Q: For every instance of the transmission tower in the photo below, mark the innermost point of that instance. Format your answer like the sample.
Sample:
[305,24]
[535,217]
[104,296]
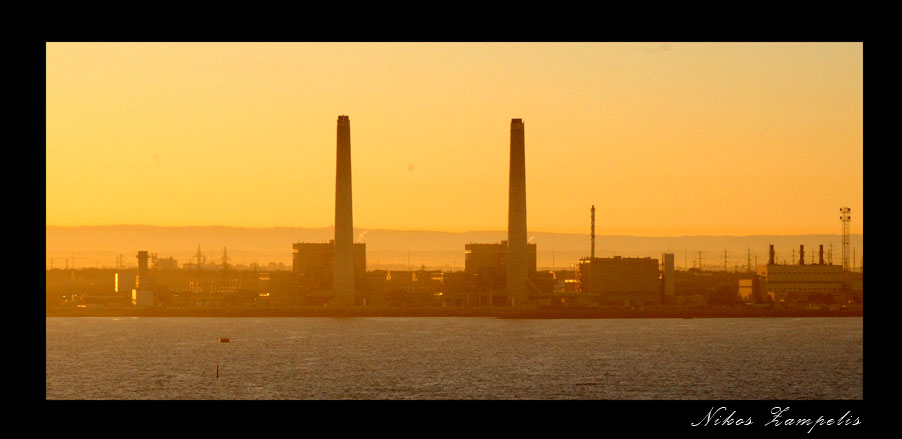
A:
[225,259]
[200,258]
[846,218]
[699,259]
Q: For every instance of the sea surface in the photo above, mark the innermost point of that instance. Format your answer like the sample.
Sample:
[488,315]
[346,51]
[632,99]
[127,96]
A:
[453,358]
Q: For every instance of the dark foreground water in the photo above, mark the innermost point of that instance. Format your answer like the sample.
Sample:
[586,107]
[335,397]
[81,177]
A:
[453,358]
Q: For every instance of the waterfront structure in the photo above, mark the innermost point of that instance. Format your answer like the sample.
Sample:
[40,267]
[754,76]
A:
[343,285]
[803,282]
[312,265]
[618,280]
[517,259]
[489,263]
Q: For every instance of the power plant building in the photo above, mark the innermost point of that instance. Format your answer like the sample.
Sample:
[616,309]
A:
[312,264]
[618,280]
[142,295]
[489,262]
[801,282]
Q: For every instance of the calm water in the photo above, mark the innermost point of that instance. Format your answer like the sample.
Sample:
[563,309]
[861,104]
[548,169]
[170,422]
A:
[456,358]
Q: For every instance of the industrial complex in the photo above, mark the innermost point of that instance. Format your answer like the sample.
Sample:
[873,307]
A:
[495,274]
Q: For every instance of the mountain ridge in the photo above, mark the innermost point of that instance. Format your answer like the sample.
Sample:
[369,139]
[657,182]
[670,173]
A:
[388,248]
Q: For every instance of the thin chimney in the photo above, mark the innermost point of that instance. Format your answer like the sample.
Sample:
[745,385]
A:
[593,232]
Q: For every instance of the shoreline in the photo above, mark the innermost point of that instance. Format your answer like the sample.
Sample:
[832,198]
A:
[497,312]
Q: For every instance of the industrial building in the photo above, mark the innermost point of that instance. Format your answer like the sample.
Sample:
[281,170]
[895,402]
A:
[802,282]
[750,290]
[669,276]
[620,281]
[488,262]
[312,265]
[169,263]
[142,294]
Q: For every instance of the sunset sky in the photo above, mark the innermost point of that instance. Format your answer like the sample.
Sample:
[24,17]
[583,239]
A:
[664,139]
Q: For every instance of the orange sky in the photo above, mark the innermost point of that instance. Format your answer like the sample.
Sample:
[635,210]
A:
[665,139]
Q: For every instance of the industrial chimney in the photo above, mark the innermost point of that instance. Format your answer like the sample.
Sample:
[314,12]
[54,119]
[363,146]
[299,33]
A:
[801,255]
[821,255]
[343,268]
[516,217]
[770,260]
[593,232]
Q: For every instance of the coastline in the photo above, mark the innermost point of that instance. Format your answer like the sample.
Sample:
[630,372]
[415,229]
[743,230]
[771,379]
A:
[497,312]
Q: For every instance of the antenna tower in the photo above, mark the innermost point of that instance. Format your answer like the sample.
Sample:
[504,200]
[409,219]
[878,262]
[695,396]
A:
[845,217]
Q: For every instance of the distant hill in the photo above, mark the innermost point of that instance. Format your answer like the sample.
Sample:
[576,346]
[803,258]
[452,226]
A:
[90,246]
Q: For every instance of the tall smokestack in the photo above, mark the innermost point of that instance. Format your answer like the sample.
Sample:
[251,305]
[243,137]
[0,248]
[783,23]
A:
[343,271]
[801,255]
[770,260]
[142,280]
[516,218]
[821,255]
[592,255]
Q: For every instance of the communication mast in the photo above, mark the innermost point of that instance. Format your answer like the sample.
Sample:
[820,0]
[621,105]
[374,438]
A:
[846,218]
